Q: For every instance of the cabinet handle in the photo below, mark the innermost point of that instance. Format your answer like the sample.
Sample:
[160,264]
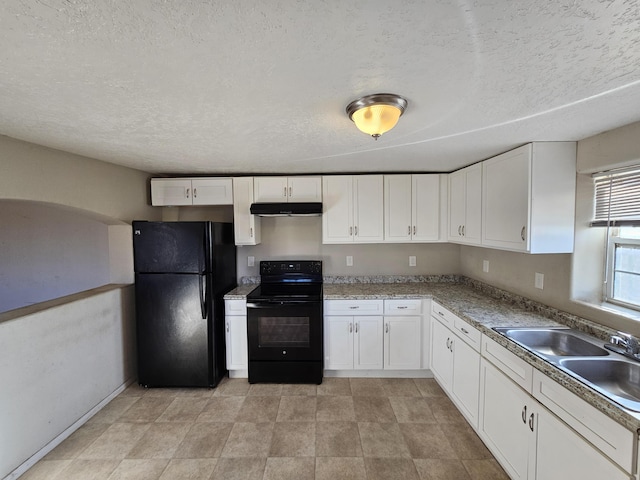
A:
[350,327]
[356,327]
[402,307]
[284,193]
[188,192]
[356,227]
[459,230]
[195,192]
[531,422]
[409,230]
[386,328]
[451,345]
[448,345]
[441,314]
[522,233]
[227,327]
[464,330]
[354,307]
[251,232]
[350,231]
[414,229]
[524,414]
[463,230]
[290,191]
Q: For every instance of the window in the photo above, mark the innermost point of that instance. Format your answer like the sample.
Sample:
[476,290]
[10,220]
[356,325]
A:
[617,208]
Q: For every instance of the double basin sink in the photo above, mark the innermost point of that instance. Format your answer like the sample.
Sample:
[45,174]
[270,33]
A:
[610,374]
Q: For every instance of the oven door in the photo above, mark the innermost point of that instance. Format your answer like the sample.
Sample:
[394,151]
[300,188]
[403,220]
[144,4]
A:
[282,331]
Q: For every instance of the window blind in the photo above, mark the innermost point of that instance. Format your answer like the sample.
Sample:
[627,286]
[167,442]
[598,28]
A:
[617,198]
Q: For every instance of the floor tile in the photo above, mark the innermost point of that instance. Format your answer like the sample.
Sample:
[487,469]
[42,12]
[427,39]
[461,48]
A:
[284,468]
[334,386]
[183,409]
[114,409]
[293,439]
[335,408]
[79,440]
[189,469]
[297,409]
[233,387]
[382,440]
[485,470]
[367,387]
[134,390]
[435,469]
[137,469]
[249,440]
[444,411]
[221,409]
[161,440]
[390,469]
[259,409]
[265,389]
[45,470]
[340,468]
[400,387]
[373,409]
[116,442]
[412,410]
[426,440]
[299,389]
[204,440]
[338,439]
[146,410]
[466,442]
[428,387]
[239,469]
[89,470]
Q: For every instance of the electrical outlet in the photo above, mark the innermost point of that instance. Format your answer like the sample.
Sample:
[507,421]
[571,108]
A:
[251,261]
[485,266]
[539,283]
[412,260]
[349,261]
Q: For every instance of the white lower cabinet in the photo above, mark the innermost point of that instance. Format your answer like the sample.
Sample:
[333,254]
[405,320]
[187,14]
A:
[353,342]
[455,360]
[530,441]
[402,342]
[236,337]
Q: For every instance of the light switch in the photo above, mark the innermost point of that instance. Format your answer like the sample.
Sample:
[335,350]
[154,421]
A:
[251,261]
[349,261]
[539,283]
[412,260]
[485,266]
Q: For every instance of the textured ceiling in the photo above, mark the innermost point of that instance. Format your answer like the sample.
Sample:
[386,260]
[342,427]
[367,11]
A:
[210,87]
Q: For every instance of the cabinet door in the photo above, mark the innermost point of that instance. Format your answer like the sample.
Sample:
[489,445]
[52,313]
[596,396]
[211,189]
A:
[457,204]
[246,227]
[270,189]
[338,343]
[170,191]
[368,343]
[505,412]
[212,191]
[397,208]
[472,232]
[441,357]
[402,342]
[305,189]
[337,205]
[562,453]
[368,207]
[505,202]
[236,342]
[425,220]
[466,380]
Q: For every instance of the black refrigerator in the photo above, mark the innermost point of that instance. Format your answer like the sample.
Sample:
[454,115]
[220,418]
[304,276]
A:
[182,271]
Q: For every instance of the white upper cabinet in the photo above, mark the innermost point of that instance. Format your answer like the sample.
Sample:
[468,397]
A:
[191,191]
[352,209]
[287,189]
[465,205]
[413,208]
[246,227]
[528,202]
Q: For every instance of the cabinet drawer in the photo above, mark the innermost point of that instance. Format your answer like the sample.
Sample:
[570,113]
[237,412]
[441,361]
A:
[442,314]
[512,366]
[610,437]
[235,307]
[470,335]
[403,307]
[353,307]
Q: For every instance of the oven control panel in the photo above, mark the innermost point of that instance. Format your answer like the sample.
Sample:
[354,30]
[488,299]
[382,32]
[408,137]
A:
[269,267]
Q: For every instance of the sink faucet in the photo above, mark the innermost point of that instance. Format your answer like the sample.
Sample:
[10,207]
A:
[628,341]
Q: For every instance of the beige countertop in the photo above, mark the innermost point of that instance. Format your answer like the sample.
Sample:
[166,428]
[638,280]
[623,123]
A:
[486,307]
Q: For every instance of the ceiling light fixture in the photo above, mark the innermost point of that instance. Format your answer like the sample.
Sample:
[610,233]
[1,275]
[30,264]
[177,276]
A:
[376,114]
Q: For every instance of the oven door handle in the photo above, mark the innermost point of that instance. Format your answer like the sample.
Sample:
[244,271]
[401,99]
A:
[274,304]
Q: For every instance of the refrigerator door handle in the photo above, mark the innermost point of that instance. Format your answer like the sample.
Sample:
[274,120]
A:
[203,296]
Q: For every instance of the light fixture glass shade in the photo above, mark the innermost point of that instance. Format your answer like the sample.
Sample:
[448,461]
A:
[376,114]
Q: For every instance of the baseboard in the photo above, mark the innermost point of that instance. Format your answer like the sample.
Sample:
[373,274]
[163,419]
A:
[379,373]
[36,457]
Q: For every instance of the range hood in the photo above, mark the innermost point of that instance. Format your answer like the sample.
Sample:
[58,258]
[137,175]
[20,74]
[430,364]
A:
[299,209]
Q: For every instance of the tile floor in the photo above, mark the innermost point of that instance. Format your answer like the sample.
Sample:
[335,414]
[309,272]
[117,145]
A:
[343,429]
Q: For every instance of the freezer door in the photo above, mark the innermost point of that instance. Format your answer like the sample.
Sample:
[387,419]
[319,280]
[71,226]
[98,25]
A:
[171,247]
[173,331]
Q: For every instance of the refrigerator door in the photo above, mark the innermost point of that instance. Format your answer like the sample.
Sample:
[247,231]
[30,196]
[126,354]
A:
[171,247]
[173,330]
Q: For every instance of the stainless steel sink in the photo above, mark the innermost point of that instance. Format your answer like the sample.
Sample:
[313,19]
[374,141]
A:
[555,342]
[618,379]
